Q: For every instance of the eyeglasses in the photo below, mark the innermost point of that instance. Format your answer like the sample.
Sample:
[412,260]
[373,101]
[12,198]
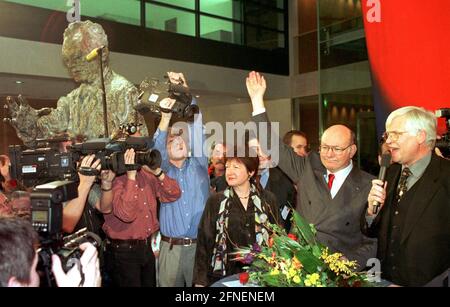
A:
[335,149]
[394,135]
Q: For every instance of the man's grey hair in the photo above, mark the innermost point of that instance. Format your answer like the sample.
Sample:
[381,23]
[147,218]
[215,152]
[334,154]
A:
[417,119]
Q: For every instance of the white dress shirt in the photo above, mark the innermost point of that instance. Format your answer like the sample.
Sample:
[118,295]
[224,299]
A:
[339,178]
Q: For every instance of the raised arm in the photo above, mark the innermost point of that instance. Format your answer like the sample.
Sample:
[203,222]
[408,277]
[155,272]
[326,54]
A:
[289,162]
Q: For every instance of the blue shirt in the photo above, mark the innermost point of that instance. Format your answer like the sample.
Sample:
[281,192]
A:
[264,177]
[180,219]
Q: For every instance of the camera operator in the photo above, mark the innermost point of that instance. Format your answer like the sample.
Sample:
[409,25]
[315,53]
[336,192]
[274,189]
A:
[19,258]
[74,209]
[180,220]
[132,221]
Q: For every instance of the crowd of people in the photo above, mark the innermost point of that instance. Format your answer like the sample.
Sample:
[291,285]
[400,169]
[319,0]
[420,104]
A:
[177,222]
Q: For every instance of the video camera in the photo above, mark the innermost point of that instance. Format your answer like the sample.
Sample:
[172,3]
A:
[45,164]
[46,218]
[153,91]
[444,142]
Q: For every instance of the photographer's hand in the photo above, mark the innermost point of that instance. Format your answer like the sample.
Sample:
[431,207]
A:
[107,178]
[177,78]
[89,266]
[166,103]
[129,159]
[157,172]
[88,162]
[73,210]
[104,205]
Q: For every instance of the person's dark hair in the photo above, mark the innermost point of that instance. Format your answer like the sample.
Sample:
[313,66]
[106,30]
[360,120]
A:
[287,138]
[17,249]
[246,157]
[380,145]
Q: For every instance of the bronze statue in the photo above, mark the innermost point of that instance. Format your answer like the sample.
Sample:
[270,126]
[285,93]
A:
[81,111]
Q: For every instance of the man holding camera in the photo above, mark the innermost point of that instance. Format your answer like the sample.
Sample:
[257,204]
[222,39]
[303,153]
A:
[19,259]
[132,219]
[180,219]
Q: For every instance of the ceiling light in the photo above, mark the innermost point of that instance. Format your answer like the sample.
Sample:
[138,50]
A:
[19,82]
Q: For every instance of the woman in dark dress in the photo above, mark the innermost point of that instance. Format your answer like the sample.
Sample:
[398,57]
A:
[233,218]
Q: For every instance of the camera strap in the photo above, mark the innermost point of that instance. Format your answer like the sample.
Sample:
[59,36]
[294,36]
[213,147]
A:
[132,167]
[88,171]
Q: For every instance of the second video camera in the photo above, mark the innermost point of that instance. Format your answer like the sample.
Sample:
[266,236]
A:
[153,91]
[45,164]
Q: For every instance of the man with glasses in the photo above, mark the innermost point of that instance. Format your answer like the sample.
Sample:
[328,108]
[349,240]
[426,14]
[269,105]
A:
[332,192]
[413,222]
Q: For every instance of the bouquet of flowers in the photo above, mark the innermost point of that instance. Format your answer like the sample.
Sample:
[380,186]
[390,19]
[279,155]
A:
[297,260]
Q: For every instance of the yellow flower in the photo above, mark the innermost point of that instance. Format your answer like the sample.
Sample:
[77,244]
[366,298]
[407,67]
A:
[338,264]
[312,280]
[274,272]
[297,279]
[292,272]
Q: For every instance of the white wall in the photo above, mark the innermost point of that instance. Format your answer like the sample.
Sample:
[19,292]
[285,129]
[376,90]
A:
[22,57]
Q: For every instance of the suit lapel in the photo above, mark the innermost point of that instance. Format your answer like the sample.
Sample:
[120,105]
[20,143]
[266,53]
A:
[351,188]
[426,189]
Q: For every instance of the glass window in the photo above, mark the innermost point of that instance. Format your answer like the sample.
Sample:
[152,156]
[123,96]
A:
[261,16]
[224,8]
[46,4]
[123,11]
[171,20]
[220,30]
[273,3]
[264,39]
[188,4]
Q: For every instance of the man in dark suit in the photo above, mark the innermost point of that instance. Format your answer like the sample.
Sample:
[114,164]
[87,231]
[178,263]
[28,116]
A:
[413,224]
[272,179]
[332,192]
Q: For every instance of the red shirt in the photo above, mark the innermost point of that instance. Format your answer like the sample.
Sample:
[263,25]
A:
[134,205]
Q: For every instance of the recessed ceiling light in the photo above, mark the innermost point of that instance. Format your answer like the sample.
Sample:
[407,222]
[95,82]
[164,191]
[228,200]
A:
[197,96]
[19,82]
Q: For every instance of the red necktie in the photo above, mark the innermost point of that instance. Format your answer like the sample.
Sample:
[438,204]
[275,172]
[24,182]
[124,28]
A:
[330,180]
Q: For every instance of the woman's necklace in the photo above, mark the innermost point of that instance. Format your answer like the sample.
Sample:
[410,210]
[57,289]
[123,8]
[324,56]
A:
[244,197]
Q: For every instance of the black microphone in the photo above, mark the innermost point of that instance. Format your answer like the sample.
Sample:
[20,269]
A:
[385,162]
[94,53]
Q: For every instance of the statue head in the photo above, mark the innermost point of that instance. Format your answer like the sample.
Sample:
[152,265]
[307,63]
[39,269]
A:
[80,38]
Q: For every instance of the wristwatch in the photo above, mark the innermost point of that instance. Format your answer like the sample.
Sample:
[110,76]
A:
[159,174]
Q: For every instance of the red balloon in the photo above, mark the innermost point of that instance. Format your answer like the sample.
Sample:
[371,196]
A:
[409,51]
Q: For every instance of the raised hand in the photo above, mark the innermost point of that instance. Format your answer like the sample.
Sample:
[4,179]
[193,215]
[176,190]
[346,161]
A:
[129,159]
[166,105]
[177,78]
[256,87]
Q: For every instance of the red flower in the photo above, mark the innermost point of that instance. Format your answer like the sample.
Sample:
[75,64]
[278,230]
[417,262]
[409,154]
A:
[270,243]
[292,236]
[243,278]
[13,183]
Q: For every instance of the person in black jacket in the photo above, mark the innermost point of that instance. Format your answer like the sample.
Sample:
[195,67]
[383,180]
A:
[233,218]
[413,222]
